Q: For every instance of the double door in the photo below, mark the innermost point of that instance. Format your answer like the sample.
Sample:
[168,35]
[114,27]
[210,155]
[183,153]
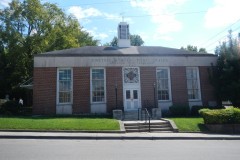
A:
[132,99]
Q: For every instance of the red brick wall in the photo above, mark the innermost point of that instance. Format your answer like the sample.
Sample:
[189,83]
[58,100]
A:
[81,90]
[44,90]
[147,78]
[207,90]
[179,85]
[113,76]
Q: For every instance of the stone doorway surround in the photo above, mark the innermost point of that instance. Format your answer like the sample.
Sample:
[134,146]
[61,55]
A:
[131,88]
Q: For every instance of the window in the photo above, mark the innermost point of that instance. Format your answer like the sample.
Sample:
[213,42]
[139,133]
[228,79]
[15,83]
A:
[64,85]
[124,31]
[131,75]
[193,85]
[135,94]
[98,85]
[163,84]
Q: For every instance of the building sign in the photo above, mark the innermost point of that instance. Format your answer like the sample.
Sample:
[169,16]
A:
[127,61]
[124,61]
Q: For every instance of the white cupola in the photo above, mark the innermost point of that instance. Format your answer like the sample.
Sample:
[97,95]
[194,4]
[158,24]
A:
[123,35]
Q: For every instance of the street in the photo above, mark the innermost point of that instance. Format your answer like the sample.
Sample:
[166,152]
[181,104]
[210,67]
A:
[29,149]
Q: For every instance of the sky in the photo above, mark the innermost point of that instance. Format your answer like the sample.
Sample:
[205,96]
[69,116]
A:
[166,23]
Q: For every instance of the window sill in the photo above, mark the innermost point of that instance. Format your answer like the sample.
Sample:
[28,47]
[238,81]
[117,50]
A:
[98,102]
[164,100]
[194,100]
[62,104]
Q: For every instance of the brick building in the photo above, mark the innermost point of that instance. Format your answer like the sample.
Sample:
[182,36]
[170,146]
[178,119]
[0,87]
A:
[97,79]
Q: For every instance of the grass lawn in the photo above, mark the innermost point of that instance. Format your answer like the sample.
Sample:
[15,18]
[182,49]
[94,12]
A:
[58,123]
[190,124]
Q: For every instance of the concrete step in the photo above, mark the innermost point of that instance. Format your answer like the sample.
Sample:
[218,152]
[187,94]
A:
[146,126]
[142,126]
[130,117]
[145,123]
[133,115]
[151,130]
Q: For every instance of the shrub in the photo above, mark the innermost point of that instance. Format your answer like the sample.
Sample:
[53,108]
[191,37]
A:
[1,110]
[195,110]
[179,110]
[10,108]
[237,115]
[201,111]
[221,116]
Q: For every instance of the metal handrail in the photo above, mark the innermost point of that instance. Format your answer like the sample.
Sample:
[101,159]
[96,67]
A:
[147,116]
[149,119]
[139,112]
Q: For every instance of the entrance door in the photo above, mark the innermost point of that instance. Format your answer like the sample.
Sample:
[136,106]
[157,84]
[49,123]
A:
[131,99]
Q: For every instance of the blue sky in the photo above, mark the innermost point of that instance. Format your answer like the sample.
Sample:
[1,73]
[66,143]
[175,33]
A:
[168,23]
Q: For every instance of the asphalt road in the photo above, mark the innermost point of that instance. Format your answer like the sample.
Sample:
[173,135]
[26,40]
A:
[21,149]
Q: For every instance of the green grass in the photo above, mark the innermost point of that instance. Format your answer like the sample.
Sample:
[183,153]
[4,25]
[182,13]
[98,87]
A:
[56,123]
[190,124]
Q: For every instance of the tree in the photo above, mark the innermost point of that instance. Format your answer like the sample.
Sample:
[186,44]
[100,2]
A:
[28,28]
[194,49]
[225,76]
[135,40]
[202,50]
[114,41]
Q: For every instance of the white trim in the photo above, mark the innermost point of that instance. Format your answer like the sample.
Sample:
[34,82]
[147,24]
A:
[169,84]
[131,89]
[105,93]
[124,61]
[199,87]
[132,86]
[71,93]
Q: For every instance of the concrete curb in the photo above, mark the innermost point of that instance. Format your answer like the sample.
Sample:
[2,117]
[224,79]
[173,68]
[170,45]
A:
[62,131]
[122,128]
[172,123]
[114,136]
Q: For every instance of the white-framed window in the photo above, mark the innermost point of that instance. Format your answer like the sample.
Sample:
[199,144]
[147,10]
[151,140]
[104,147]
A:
[163,84]
[64,86]
[98,93]
[193,84]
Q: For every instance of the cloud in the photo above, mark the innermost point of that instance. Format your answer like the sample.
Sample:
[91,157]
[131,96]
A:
[162,13]
[5,3]
[87,13]
[94,32]
[81,13]
[222,13]
[113,31]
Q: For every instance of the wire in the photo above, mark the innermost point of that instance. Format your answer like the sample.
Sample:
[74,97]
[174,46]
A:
[215,41]
[147,15]
[99,3]
[221,38]
[220,32]
[170,14]
[213,49]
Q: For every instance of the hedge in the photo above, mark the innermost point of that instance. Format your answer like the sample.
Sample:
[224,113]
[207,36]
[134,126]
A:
[221,116]
[201,111]
[10,108]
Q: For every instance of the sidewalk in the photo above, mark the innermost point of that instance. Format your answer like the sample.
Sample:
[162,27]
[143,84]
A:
[117,136]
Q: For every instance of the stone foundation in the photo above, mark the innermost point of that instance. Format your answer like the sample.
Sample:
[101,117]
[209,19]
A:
[118,114]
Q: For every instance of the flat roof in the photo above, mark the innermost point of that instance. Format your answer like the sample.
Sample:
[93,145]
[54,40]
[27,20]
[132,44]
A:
[117,51]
